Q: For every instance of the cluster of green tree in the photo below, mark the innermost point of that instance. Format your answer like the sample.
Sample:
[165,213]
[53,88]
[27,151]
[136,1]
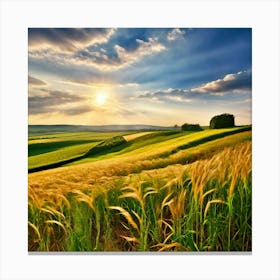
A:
[191,127]
[220,121]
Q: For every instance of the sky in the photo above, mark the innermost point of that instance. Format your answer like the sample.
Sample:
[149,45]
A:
[153,76]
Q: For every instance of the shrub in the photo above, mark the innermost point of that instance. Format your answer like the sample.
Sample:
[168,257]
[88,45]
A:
[107,144]
[191,127]
[222,121]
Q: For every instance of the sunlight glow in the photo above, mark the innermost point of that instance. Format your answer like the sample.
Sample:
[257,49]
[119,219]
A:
[100,98]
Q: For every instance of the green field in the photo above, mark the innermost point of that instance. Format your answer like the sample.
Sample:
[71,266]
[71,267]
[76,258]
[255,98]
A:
[140,191]
[47,149]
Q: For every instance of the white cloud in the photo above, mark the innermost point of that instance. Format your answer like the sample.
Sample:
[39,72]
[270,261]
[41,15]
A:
[175,34]
[99,59]
[232,83]
[143,49]
[238,82]
[168,94]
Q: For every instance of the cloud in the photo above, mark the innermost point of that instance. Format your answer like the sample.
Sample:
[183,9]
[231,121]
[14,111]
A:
[66,40]
[122,57]
[144,48]
[77,110]
[175,34]
[231,84]
[35,82]
[173,94]
[238,82]
[50,101]
[73,48]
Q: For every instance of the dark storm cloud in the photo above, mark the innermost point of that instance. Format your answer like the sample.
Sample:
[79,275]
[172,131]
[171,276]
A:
[35,82]
[51,101]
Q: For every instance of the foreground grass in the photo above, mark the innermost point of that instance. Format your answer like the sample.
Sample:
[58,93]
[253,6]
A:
[133,204]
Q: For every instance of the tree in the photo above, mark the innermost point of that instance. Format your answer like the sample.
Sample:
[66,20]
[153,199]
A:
[191,127]
[222,121]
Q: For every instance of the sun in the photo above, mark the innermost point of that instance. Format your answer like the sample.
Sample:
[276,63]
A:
[100,98]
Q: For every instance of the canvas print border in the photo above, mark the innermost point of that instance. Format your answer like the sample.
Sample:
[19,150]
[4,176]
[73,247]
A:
[244,264]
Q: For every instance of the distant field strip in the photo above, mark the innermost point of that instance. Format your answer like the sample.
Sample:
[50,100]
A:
[133,136]
[74,136]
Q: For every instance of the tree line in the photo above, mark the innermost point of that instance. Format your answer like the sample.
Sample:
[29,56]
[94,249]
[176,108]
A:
[220,121]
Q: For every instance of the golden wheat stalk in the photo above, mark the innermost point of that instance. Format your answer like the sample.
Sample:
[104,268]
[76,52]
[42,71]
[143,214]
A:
[149,191]
[134,195]
[209,204]
[164,232]
[48,211]
[138,218]
[84,198]
[54,211]
[57,223]
[177,206]
[130,239]
[35,230]
[133,192]
[167,201]
[165,247]
[127,216]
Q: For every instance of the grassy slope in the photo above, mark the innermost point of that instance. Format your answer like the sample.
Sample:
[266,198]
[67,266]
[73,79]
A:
[59,155]
[53,148]
[158,143]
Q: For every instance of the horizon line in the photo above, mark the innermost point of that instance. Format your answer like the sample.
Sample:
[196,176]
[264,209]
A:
[127,124]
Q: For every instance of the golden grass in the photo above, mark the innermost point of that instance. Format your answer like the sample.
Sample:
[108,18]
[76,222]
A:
[127,215]
[172,208]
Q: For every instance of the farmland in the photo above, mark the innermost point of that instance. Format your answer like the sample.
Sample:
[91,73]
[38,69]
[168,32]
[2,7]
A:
[140,191]
[54,148]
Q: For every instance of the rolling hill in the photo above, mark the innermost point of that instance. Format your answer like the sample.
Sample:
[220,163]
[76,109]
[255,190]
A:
[77,148]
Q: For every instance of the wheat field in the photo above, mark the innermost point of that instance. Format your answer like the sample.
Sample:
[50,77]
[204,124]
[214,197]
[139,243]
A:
[146,203]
